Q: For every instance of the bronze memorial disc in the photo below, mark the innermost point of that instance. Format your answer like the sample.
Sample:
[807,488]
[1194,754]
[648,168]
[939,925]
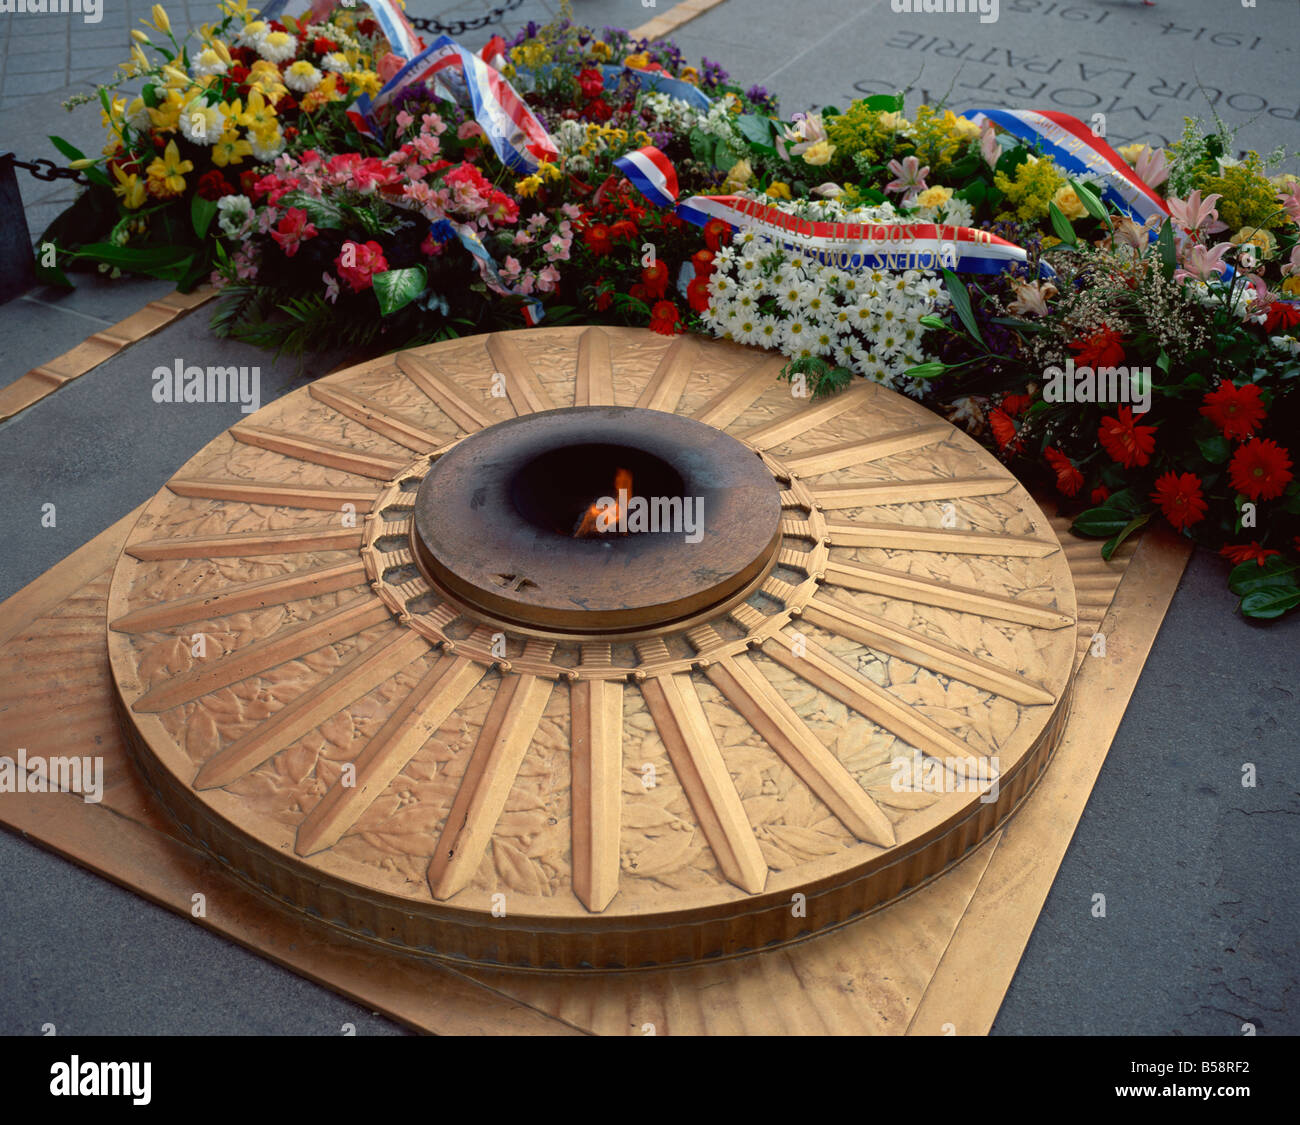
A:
[371,654]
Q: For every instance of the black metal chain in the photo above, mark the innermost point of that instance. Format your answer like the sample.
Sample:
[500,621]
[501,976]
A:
[43,169]
[459,27]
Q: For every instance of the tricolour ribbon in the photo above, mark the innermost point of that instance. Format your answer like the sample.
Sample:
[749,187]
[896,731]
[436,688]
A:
[651,173]
[516,136]
[388,15]
[533,311]
[658,80]
[1070,143]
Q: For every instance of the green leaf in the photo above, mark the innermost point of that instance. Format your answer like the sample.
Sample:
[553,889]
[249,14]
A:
[1214,449]
[202,212]
[961,303]
[756,130]
[398,288]
[885,103]
[321,212]
[138,259]
[926,370]
[1125,500]
[1113,544]
[1250,576]
[1270,603]
[1091,203]
[1168,253]
[1060,224]
[1162,361]
[71,151]
[1099,523]
[932,321]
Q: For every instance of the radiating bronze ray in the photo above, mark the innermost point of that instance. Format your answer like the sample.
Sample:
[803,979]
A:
[523,387]
[781,430]
[319,452]
[596,713]
[926,591]
[823,669]
[502,743]
[909,491]
[885,636]
[687,736]
[859,452]
[739,395]
[425,708]
[377,417]
[443,391]
[289,644]
[323,498]
[242,544]
[244,596]
[764,709]
[594,385]
[362,674]
[666,385]
[901,537]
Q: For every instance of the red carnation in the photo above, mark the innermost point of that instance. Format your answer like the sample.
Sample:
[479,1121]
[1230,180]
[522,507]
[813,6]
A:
[664,318]
[598,110]
[1100,494]
[367,260]
[213,185]
[1237,411]
[1004,430]
[1129,444]
[1180,499]
[1260,469]
[1015,404]
[1068,479]
[1104,348]
[1244,552]
[1282,316]
[597,239]
[591,82]
[622,229]
[697,294]
[324,46]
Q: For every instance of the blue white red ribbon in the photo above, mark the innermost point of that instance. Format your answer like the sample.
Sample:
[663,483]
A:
[1071,144]
[533,312]
[658,80]
[651,173]
[388,15]
[516,136]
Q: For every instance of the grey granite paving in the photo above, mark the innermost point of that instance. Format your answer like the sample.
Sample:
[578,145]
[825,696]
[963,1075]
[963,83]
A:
[1202,917]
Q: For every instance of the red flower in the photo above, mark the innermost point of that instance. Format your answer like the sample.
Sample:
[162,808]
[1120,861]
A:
[1068,479]
[1244,552]
[716,234]
[294,229]
[367,259]
[1260,469]
[1100,494]
[604,296]
[598,110]
[597,239]
[622,229]
[324,46]
[1235,410]
[213,185]
[591,82]
[1129,444]
[1282,316]
[656,279]
[697,293]
[702,260]
[368,27]
[1180,499]
[1016,404]
[1104,348]
[664,318]
[1004,429]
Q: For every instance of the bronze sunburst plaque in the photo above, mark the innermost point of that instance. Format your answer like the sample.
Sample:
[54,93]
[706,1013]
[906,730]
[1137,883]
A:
[741,762]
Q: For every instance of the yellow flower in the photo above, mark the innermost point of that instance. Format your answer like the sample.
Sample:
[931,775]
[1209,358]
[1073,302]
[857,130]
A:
[367,81]
[778,190]
[139,36]
[1263,239]
[639,62]
[936,196]
[230,149]
[691,75]
[129,189]
[259,116]
[549,172]
[895,121]
[160,20]
[820,153]
[963,127]
[527,187]
[1131,152]
[641,137]
[600,49]
[738,176]
[1291,286]
[167,172]
[167,114]
[1069,203]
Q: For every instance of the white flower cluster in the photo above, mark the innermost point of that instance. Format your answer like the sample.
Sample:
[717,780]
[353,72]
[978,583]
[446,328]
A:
[669,114]
[569,138]
[1215,296]
[866,320]
[234,215]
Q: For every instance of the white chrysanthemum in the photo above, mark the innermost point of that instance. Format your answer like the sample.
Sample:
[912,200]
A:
[789,298]
[202,123]
[889,342]
[796,335]
[252,33]
[233,214]
[337,62]
[207,62]
[267,148]
[1286,344]
[746,329]
[721,286]
[769,332]
[824,340]
[277,46]
[815,303]
[302,77]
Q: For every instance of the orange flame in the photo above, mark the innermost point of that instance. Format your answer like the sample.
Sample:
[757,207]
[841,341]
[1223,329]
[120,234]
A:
[622,488]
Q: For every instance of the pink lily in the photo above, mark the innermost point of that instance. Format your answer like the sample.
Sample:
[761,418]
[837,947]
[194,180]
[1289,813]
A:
[1195,214]
[1032,297]
[989,145]
[1293,265]
[1200,263]
[909,177]
[1290,200]
[1152,168]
